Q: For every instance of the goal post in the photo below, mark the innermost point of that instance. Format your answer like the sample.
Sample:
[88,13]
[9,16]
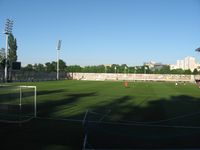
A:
[17,103]
[35,98]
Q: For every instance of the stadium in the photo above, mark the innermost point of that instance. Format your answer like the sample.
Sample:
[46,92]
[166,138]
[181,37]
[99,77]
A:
[86,114]
[99,75]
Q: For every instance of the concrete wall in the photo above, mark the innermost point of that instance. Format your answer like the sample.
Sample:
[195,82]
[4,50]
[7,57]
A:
[132,77]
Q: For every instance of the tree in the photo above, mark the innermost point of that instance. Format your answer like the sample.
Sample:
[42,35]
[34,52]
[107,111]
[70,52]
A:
[188,71]
[2,54]
[39,67]
[132,70]
[100,69]
[195,71]
[50,67]
[142,69]
[62,65]
[177,71]
[2,58]
[74,68]
[123,68]
[29,67]
[12,50]
[165,70]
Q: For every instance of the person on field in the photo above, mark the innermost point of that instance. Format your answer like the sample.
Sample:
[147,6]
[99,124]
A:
[125,84]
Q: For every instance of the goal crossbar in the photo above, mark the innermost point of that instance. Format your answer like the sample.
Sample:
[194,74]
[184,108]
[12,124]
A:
[35,95]
[21,87]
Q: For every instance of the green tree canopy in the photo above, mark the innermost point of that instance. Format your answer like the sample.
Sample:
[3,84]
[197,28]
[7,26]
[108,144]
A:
[50,67]
[165,70]
[39,67]
[28,67]
[195,71]
[188,71]
[177,71]
[74,68]
[12,50]
[2,58]
[62,65]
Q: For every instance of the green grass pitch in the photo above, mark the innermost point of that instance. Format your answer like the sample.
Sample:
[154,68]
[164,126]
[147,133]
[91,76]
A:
[141,102]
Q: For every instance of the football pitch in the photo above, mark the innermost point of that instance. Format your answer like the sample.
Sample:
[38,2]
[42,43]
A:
[108,115]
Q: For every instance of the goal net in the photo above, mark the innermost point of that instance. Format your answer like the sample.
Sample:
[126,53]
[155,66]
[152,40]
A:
[17,103]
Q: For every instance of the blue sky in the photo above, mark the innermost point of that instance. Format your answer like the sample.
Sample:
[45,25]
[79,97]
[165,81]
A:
[103,31]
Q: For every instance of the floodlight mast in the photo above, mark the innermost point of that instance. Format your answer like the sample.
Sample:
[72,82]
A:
[8,31]
[125,69]
[197,50]
[58,49]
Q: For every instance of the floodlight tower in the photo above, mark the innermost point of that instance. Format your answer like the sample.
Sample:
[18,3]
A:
[125,69]
[58,49]
[135,70]
[197,50]
[8,31]
[145,69]
[115,69]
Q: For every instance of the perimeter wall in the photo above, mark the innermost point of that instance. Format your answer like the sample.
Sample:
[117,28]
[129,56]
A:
[133,77]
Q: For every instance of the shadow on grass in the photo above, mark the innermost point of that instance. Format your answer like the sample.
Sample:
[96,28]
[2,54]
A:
[12,96]
[48,108]
[43,134]
[40,134]
[50,134]
[171,116]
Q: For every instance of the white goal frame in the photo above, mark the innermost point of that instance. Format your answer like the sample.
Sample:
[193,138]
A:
[35,97]
[21,87]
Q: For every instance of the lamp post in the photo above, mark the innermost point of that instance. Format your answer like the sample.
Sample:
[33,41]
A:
[135,69]
[145,68]
[58,49]
[8,31]
[125,69]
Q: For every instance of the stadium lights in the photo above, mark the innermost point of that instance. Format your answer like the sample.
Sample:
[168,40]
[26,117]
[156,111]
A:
[125,68]
[58,49]
[145,68]
[197,50]
[8,30]
[135,69]
[115,69]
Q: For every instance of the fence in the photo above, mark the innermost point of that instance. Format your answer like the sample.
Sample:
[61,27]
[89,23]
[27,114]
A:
[24,76]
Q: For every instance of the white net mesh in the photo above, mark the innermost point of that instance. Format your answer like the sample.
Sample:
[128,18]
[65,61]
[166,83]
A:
[17,103]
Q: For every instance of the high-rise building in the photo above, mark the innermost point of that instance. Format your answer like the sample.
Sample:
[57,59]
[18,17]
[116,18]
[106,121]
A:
[185,64]
[190,63]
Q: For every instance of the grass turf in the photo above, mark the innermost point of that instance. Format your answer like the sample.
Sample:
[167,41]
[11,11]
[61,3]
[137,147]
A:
[139,102]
